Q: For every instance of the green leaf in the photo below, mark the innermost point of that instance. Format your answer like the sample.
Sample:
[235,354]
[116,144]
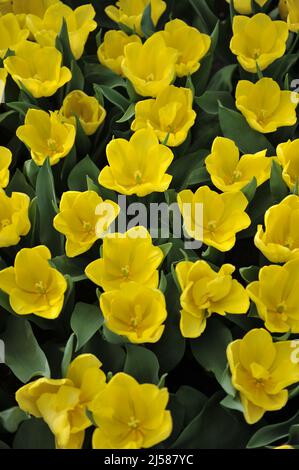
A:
[250,274]
[210,348]
[250,189]
[11,419]
[63,44]
[272,433]
[18,183]
[215,427]
[83,143]
[100,75]
[34,434]
[73,267]
[23,354]
[77,177]
[47,207]
[77,81]
[279,189]
[235,127]
[142,364]
[115,98]
[223,79]
[163,282]
[147,25]
[166,247]
[128,114]
[67,355]
[198,176]
[86,320]
[209,101]
[21,106]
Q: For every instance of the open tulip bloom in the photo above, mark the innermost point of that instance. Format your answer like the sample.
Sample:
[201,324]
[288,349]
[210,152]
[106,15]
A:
[149,214]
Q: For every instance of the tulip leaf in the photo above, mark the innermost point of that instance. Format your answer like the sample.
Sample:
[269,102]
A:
[147,25]
[250,189]
[142,364]
[21,106]
[77,81]
[128,114]
[73,267]
[23,354]
[204,11]
[222,80]
[11,418]
[115,98]
[215,427]
[209,101]
[210,349]
[279,189]
[67,355]
[77,177]
[235,127]
[250,274]
[86,320]
[19,184]
[83,143]
[100,75]
[272,433]
[47,207]
[34,434]
[63,44]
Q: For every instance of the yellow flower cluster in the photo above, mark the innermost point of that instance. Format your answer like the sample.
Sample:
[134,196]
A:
[128,272]
[128,415]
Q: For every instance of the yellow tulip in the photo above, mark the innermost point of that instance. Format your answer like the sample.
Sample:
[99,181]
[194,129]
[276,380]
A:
[3,76]
[130,12]
[205,292]
[288,156]
[264,106]
[5,161]
[258,41]
[229,172]
[150,67]
[279,242]
[5,7]
[87,108]
[135,311]
[46,135]
[14,219]
[283,9]
[80,22]
[277,298]
[261,372]
[223,216]
[127,257]
[137,166]
[33,286]
[11,34]
[191,45]
[62,403]
[245,6]
[170,115]
[111,52]
[35,7]
[130,415]
[293,15]
[83,219]
[38,69]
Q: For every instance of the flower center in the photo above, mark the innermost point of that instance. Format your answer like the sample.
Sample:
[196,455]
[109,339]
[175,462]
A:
[259,373]
[133,423]
[125,270]
[236,175]
[212,225]
[40,287]
[87,226]
[52,145]
[137,176]
[4,223]
[150,77]
[256,53]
